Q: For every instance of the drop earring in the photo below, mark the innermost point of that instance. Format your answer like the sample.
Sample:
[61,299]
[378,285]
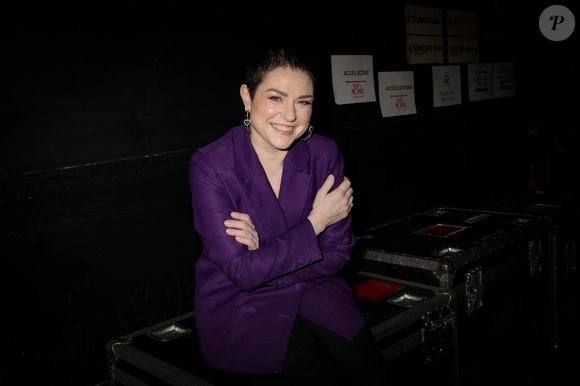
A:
[247,121]
[310,130]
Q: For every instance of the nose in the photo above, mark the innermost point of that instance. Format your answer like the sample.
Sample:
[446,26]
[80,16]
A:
[289,112]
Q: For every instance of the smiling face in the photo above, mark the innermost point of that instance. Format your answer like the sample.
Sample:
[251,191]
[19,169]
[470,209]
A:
[280,109]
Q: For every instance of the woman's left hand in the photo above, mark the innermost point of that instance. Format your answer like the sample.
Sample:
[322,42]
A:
[242,228]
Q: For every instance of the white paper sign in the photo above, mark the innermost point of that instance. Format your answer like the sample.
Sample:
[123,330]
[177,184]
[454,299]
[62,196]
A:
[397,93]
[446,85]
[503,80]
[353,79]
[424,49]
[423,20]
[479,81]
[462,23]
[462,50]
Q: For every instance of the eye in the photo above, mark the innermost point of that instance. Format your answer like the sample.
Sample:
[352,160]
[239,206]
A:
[275,98]
[305,102]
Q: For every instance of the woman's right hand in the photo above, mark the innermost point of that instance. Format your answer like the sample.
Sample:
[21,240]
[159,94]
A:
[331,207]
[242,228]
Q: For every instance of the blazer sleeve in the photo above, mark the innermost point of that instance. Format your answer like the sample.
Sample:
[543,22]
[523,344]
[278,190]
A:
[249,270]
[335,243]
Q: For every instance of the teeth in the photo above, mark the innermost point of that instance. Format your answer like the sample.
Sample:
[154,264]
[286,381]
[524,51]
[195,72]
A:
[284,128]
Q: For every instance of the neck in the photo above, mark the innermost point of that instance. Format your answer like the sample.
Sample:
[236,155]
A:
[272,159]
[272,162]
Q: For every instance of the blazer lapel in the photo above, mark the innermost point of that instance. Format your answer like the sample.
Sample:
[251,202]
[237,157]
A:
[268,216]
[296,184]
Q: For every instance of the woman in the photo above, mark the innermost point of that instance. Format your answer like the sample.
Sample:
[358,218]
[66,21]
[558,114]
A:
[272,207]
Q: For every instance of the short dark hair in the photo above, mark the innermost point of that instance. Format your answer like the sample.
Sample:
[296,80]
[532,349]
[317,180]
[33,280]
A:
[272,59]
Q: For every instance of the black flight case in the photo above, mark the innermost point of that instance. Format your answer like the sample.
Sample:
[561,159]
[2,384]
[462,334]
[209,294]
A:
[493,265]
[560,211]
[412,326]
[164,354]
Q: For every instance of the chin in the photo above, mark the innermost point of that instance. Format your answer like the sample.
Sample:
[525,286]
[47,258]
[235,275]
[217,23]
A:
[282,143]
[283,147]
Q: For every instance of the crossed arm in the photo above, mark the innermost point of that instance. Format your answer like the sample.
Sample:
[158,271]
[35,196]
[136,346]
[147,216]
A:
[329,207]
[318,246]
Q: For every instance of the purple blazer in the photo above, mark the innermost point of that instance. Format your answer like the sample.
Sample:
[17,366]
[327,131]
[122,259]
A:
[246,301]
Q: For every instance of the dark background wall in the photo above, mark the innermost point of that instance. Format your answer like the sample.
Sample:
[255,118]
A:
[103,112]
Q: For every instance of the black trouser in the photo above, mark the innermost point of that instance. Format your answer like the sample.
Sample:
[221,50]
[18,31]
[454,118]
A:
[318,356]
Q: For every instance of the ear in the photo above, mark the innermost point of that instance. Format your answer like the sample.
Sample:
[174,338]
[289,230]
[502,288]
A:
[246,98]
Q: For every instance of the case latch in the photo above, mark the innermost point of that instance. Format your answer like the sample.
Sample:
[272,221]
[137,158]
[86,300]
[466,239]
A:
[473,290]
[168,333]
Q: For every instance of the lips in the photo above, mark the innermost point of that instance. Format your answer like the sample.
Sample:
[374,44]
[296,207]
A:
[283,129]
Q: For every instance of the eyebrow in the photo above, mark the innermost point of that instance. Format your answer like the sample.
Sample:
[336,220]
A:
[286,94]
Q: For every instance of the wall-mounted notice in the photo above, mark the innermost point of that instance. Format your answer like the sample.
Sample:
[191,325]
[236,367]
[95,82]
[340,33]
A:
[424,49]
[352,79]
[479,80]
[446,85]
[396,93]
[462,23]
[503,80]
[424,34]
[423,20]
[462,37]
[462,50]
